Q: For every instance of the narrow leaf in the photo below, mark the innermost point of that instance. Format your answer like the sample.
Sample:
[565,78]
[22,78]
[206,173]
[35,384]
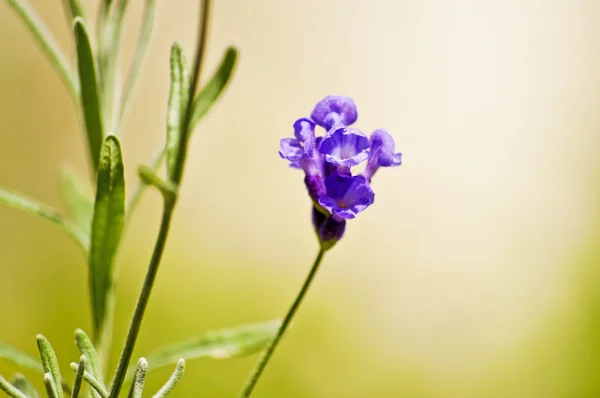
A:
[91,381]
[50,384]
[86,348]
[10,390]
[19,358]
[138,59]
[79,377]
[21,202]
[213,89]
[107,225]
[173,380]
[47,44]
[218,344]
[178,94]
[78,203]
[137,387]
[23,385]
[75,9]
[49,363]
[90,93]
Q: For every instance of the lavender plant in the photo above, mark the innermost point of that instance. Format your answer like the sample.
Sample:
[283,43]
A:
[96,224]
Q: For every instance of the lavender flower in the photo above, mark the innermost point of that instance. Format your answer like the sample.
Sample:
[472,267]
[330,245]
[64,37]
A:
[327,163]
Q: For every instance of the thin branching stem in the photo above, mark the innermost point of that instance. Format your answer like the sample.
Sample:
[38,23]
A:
[144,296]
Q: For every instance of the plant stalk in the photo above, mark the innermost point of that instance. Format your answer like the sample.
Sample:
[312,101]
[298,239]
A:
[264,360]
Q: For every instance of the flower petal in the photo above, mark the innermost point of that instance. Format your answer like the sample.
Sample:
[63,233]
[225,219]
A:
[345,147]
[346,195]
[342,106]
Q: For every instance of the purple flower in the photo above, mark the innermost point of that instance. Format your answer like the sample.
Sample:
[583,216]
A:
[335,110]
[327,162]
[345,147]
[346,195]
[382,153]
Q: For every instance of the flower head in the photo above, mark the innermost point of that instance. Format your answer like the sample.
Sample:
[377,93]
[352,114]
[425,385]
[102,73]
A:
[327,162]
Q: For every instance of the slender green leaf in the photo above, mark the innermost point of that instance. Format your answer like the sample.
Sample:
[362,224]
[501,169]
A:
[23,385]
[178,95]
[201,105]
[107,225]
[47,44]
[90,92]
[173,380]
[137,387]
[50,384]
[50,363]
[10,390]
[78,203]
[86,348]
[19,358]
[217,344]
[21,202]
[99,388]
[213,89]
[75,9]
[79,377]
[138,59]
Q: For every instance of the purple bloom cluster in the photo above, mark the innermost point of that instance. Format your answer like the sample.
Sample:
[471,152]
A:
[327,161]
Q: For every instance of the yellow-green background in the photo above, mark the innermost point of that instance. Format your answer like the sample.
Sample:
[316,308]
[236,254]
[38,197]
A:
[475,274]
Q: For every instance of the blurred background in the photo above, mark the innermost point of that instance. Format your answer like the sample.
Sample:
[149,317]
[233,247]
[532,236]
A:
[476,273]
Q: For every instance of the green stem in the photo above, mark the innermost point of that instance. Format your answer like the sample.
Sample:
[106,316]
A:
[142,302]
[169,205]
[260,367]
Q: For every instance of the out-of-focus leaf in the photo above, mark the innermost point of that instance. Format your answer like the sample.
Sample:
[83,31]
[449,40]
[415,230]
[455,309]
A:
[78,203]
[107,225]
[178,96]
[217,344]
[90,91]
[19,358]
[138,59]
[47,43]
[23,385]
[21,202]
[75,9]
[213,89]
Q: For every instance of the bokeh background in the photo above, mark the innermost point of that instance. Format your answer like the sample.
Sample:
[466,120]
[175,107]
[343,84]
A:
[476,272]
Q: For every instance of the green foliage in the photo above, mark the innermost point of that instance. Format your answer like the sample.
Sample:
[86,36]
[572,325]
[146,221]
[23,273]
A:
[23,385]
[78,204]
[90,91]
[97,225]
[173,380]
[50,364]
[107,225]
[217,344]
[28,205]
[213,89]
[176,111]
